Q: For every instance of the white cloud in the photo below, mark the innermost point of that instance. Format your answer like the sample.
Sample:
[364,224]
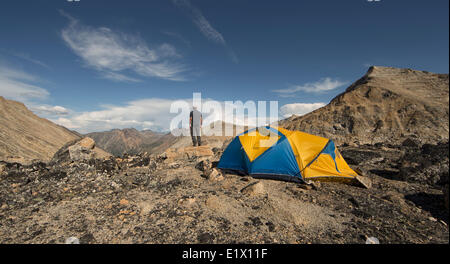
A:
[288,110]
[18,85]
[204,26]
[65,122]
[323,85]
[49,110]
[23,87]
[111,53]
[150,113]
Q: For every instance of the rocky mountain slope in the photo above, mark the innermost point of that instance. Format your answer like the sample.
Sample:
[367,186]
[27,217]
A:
[179,197]
[25,136]
[385,105]
[131,141]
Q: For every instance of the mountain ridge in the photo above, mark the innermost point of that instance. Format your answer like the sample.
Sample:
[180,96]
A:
[24,136]
[386,105]
[132,141]
[128,140]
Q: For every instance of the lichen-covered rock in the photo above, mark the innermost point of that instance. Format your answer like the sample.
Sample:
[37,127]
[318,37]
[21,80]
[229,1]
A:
[80,149]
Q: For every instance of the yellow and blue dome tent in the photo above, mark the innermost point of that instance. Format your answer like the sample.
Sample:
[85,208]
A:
[277,153]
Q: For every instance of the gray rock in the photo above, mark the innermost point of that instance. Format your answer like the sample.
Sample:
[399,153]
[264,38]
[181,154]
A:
[77,150]
[72,240]
[372,240]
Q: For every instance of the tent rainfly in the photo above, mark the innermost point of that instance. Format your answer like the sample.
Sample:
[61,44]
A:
[277,153]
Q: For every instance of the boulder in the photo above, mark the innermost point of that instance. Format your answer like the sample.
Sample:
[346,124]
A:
[87,142]
[202,151]
[173,154]
[254,189]
[214,175]
[78,152]
[80,149]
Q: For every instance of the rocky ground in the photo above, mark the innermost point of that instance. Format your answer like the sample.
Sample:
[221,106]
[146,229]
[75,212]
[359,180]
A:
[179,197]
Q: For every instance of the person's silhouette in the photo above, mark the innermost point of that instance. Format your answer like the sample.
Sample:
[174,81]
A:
[195,124]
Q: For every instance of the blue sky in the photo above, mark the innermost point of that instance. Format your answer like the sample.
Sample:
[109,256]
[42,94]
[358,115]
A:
[94,65]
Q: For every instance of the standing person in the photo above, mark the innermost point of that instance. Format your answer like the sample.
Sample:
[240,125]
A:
[195,124]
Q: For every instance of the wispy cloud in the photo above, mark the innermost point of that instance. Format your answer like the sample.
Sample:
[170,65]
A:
[114,76]
[19,85]
[177,36]
[24,56]
[111,53]
[28,58]
[323,85]
[205,26]
[299,109]
[200,21]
